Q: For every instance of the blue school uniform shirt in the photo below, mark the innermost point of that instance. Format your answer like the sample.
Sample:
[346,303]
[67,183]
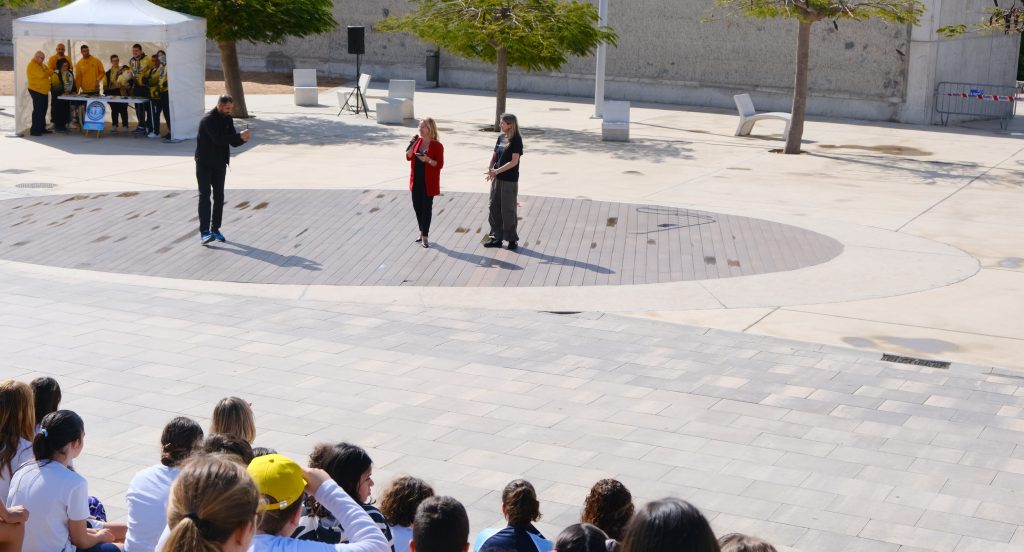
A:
[512,539]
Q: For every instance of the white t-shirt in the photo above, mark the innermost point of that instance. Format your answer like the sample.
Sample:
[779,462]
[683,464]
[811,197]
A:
[53,495]
[23,456]
[147,507]
[400,537]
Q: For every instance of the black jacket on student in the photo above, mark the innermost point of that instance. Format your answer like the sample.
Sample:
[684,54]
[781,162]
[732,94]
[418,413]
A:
[216,133]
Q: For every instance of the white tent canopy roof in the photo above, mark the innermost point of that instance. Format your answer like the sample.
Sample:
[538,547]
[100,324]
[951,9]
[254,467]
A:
[112,20]
[121,23]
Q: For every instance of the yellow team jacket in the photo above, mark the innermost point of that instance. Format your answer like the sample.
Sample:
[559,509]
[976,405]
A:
[62,84]
[88,74]
[52,62]
[140,68]
[157,81]
[38,77]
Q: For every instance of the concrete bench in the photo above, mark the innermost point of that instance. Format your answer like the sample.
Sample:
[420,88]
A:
[389,111]
[615,121]
[304,86]
[404,91]
[749,116]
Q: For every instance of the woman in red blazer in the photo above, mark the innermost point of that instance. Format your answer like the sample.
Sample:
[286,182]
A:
[426,157]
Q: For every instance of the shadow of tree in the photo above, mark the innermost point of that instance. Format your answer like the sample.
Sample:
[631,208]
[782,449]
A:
[323,130]
[927,172]
[276,259]
[653,150]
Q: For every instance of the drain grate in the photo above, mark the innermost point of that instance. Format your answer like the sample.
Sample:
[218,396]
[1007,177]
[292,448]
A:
[915,361]
[16,171]
[38,185]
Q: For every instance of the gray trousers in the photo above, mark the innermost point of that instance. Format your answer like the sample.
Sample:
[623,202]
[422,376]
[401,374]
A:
[502,216]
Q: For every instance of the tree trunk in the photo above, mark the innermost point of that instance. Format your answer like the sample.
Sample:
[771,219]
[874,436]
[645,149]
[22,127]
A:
[233,77]
[501,88]
[803,52]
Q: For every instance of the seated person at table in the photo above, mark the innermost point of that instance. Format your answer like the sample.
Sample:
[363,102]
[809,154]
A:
[62,83]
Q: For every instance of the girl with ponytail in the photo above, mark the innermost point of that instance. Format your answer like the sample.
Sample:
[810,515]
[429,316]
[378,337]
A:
[212,507]
[56,496]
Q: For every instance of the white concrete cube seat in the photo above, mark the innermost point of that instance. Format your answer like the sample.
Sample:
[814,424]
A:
[615,121]
[389,111]
[749,116]
[304,87]
[404,90]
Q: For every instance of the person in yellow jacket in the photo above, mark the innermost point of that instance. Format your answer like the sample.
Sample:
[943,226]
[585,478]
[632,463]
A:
[62,83]
[39,76]
[52,62]
[140,66]
[88,73]
[159,100]
[114,85]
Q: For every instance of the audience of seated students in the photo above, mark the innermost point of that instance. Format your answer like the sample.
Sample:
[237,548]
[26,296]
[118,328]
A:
[441,525]
[399,503]
[352,469]
[669,525]
[222,443]
[609,506]
[149,490]
[521,508]
[281,482]
[46,394]
[56,497]
[584,537]
[738,542]
[213,506]
[219,494]
[233,416]
[17,427]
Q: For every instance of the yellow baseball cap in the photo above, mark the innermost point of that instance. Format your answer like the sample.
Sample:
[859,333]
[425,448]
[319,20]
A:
[278,477]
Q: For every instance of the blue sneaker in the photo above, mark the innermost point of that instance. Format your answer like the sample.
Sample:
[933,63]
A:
[219,237]
[205,238]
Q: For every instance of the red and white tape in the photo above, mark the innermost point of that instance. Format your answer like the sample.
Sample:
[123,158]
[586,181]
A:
[985,97]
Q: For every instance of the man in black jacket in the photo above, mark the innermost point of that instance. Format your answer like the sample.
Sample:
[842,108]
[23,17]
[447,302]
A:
[216,133]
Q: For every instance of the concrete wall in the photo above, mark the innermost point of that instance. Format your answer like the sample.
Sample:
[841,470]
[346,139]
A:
[869,70]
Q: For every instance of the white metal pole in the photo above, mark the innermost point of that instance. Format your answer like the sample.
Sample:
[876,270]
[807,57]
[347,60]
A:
[602,51]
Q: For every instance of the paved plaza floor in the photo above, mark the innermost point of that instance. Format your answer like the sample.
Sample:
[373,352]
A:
[736,361]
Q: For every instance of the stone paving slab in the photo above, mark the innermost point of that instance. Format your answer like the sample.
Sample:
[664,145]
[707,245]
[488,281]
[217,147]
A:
[812,447]
[364,237]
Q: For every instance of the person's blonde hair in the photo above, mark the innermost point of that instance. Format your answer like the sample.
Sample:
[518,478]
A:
[210,499]
[17,421]
[738,542]
[233,416]
[432,125]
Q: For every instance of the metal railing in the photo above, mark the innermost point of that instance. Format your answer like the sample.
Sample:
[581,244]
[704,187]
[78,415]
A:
[977,100]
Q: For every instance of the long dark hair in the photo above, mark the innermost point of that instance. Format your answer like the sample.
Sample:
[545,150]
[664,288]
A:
[59,429]
[582,537]
[669,525]
[345,463]
[16,422]
[520,501]
[181,436]
[47,393]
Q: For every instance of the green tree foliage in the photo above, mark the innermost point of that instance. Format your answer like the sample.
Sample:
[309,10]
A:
[531,34]
[271,21]
[806,13]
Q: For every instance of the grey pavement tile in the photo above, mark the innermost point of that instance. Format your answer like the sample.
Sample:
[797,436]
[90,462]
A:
[973,544]
[822,541]
[876,509]
[775,533]
[832,522]
[969,526]
[909,535]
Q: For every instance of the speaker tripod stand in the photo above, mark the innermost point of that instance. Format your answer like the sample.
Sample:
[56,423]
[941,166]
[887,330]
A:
[357,94]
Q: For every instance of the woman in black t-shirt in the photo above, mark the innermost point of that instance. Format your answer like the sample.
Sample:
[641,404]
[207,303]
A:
[503,174]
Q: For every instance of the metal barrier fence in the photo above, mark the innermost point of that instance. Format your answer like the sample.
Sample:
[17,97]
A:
[978,100]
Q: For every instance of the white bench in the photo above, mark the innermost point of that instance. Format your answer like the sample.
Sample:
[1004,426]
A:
[749,116]
[404,91]
[304,85]
[344,98]
[615,121]
[389,111]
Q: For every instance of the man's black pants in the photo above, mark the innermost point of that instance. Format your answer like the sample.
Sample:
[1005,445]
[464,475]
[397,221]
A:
[210,179]
[38,112]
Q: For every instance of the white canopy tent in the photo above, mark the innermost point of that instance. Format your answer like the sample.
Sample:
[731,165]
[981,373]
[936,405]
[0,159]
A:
[112,27]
